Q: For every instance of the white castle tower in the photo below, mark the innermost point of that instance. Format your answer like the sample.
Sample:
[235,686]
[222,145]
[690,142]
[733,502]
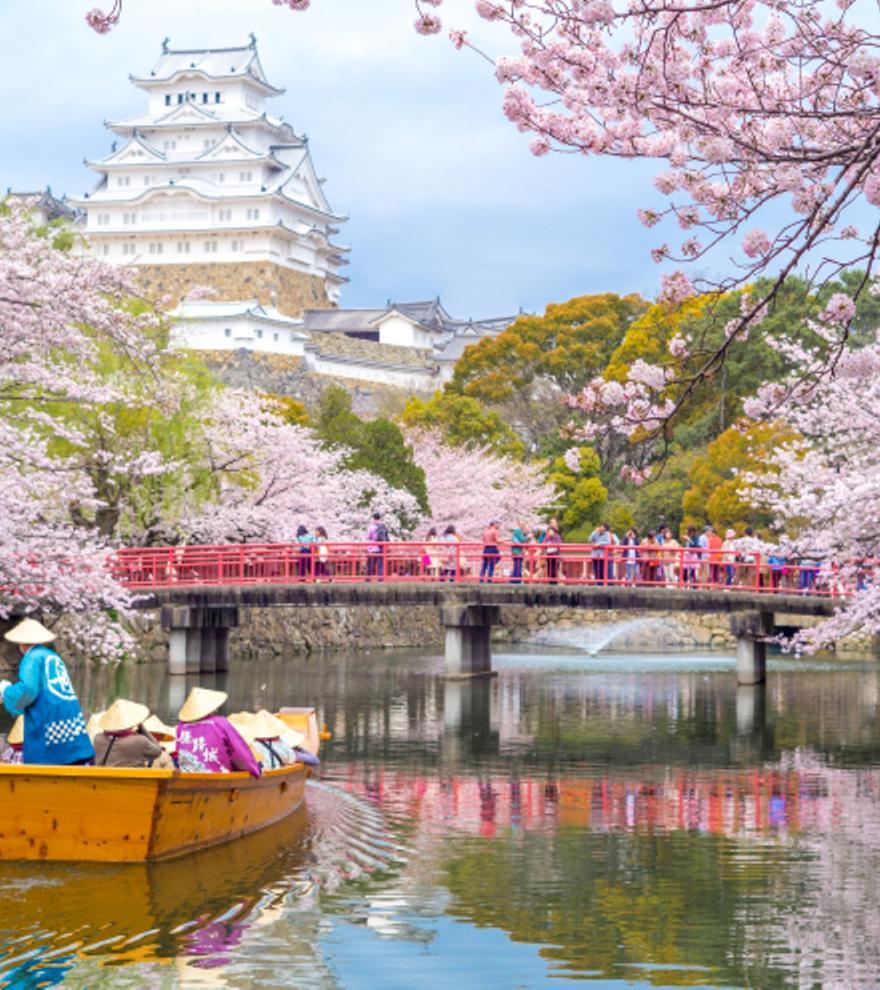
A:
[207,189]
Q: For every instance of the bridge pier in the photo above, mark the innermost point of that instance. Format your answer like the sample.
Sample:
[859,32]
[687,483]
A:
[468,639]
[198,638]
[751,630]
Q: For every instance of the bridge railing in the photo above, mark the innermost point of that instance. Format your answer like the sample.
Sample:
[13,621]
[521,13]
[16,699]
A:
[571,564]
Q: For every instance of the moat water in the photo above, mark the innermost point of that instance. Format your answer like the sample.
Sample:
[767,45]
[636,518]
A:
[614,820]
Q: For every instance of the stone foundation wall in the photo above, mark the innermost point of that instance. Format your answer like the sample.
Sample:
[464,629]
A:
[280,630]
[273,285]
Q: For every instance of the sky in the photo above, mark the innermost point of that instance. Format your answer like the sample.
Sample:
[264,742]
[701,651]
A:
[443,195]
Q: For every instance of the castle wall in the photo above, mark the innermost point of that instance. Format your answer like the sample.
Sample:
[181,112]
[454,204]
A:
[273,285]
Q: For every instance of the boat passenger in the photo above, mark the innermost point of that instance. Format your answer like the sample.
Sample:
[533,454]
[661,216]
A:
[11,754]
[124,742]
[276,743]
[207,739]
[54,727]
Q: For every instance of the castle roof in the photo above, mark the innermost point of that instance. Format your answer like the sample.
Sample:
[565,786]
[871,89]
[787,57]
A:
[209,63]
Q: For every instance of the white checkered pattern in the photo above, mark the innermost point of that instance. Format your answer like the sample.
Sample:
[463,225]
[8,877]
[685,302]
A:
[64,731]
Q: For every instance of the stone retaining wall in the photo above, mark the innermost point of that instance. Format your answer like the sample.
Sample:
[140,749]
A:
[279,630]
[273,285]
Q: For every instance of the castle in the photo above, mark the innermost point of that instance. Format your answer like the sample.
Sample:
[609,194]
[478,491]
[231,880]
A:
[217,206]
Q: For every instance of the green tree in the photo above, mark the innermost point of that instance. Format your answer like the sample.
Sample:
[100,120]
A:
[376,445]
[581,494]
[524,371]
[463,421]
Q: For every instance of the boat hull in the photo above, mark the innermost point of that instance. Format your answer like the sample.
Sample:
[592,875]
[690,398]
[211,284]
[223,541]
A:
[103,814]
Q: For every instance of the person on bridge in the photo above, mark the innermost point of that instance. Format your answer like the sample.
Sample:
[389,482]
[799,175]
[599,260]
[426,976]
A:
[491,553]
[206,742]
[600,538]
[520,538]
[54,727]
[377,537]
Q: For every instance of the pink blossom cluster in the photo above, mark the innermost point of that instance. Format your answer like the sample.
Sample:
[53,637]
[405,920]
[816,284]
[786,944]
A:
[468,487]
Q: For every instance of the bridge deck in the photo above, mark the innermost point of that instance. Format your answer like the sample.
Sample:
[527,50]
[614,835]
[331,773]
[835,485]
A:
[622,597]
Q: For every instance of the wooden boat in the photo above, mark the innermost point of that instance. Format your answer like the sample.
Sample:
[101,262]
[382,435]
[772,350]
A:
[104,814]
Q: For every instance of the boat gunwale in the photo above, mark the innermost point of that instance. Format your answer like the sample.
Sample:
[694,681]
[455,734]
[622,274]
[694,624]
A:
[141,773]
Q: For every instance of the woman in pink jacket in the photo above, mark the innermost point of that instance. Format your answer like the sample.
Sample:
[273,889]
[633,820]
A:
[206,741]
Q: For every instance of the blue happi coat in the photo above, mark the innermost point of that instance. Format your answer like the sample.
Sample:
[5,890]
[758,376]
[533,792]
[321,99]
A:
[54,727]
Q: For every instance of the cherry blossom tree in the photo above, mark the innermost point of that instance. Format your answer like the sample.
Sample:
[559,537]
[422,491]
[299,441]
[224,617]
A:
[58,313]
[271,476]
[824,486]
[469,486]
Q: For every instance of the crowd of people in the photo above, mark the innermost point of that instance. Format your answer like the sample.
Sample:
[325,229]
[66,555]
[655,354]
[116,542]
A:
[50,728]
[658,556]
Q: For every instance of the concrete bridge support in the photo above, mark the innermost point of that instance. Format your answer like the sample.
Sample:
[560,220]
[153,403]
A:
[468,639]
[199,638]
[751,630]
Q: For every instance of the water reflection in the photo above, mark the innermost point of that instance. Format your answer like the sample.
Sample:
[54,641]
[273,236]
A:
[570,819]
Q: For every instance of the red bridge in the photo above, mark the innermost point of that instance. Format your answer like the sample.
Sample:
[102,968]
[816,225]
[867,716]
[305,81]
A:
[202,588]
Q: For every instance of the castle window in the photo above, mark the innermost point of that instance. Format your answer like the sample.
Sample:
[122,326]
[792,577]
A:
[105,249]
[236,245]
[183,247]
[167,99]
[245,176]
[146,180]
[210,247]
[275,337]
[128,249]
[155,247]
[179,98]
[204,97]
[216,97]
[225,215]
[227,332]
[258,334]
[253,214]
[129,218]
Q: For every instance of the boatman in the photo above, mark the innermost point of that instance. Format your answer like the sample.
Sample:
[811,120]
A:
[54,727]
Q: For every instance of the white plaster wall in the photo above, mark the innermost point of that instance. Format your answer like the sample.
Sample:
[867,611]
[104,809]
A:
[400,332]
[405,379]
[253,335]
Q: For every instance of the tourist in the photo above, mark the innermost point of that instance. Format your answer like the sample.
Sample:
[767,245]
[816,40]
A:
[304,540]
[691,557]
[491,553]
[322,564]
[552,550]
[670,555]
[54,727]
[728,554]
[777,561]
[714,544]
[450,561]
[377,537]
[600,539]
[206,741]
[272,741]
[520,537]
[430,560]
[123,741]
[703,542]
[630,544]
[650,558]
[12,751]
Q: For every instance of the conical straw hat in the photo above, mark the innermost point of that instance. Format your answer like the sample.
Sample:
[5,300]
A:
[155,726]
[30,632]
[201,703]
[242,722]
[93,726]
[269,726]
[16,733]
[122,715]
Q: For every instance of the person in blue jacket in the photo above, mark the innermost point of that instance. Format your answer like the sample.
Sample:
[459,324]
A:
[54,727]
